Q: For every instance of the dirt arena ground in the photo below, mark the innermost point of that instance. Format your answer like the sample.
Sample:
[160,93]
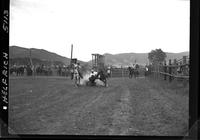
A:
[53,105]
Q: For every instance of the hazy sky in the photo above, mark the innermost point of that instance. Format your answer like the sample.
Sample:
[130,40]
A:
[100,26]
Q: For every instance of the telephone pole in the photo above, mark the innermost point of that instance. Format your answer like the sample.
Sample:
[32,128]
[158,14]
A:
[71,54]
[32,66]
[30,58]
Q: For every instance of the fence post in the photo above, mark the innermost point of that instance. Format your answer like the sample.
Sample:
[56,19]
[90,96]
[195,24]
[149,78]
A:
[175,61]
[175,68]
[122,73]
[159,65]
[158,70]
[155,69]
[165,70]
[110,71]
[184,62]
[184,59]
[170,70]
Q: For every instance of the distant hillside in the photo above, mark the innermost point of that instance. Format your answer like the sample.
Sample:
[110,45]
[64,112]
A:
[19,52]
[125,59]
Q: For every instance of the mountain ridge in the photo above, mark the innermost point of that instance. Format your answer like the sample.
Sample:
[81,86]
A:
[20,52]
[120,59]
[126,59]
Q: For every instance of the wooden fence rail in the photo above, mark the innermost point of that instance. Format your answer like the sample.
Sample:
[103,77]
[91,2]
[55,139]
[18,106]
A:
[119,72]
[179,69]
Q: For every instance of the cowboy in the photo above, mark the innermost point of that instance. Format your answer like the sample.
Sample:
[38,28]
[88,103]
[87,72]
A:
[93,73]
[93,77]
[76,75]
[72,73]
[146,70]
[109,71]
[79,70]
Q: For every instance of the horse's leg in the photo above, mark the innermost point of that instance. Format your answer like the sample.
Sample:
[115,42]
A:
[75,80]
[105,82]
[79,80]
[131,75]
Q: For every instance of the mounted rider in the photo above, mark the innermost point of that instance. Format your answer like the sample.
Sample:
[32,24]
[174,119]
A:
[77,73]
[79,70]
[93,77]
[135,70]
[93,74]
[109,71]
[146,70]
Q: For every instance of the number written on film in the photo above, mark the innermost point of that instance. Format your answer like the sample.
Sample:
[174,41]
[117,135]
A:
[5,21]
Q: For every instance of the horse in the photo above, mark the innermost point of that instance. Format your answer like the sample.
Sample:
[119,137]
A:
[147,71]
[59,71]
[20,71]
[77,76]
[135,70]
[29,70]
[13,70]
[101,75]
[131,70]
[135,73]
[108,72]
[92,79]
[39,70]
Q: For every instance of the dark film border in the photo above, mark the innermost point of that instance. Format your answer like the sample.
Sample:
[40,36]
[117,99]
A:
[194,68]
[194,76]
[4,66]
